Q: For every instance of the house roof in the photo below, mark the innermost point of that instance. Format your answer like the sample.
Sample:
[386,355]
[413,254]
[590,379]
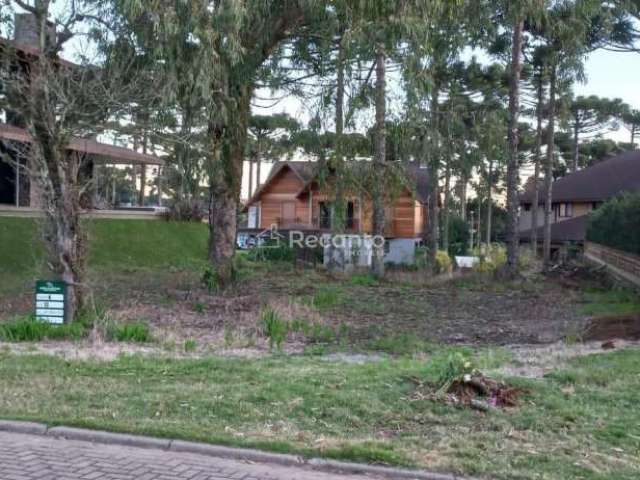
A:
[306,172]
[596,183]
[29,51]
[420,175]
[103,152]
[571,230]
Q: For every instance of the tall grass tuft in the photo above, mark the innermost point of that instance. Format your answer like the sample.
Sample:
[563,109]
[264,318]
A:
[275,327]
[30,329]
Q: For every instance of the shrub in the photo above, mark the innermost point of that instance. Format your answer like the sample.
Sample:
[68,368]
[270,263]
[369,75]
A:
[616,223]
[274,326]
[29,329]
[185,211]
[137,332]
[458,236]
[272,252]
[443,262]
[491,259]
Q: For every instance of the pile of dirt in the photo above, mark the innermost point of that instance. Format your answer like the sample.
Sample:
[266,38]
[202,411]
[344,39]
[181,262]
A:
[625,327]
[483,393]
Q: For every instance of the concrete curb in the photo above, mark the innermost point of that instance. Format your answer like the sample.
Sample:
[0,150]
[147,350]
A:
[236,453]
[30,428]
[241,454]
[108,438]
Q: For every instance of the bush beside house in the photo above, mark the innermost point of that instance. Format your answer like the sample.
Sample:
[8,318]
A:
[616,224]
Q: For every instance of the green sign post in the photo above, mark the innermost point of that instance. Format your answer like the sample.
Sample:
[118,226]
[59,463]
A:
[51,301]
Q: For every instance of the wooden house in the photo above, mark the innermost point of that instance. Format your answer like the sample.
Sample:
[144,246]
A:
[294,198]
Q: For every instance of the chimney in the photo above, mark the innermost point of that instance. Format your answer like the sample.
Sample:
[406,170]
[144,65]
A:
[26,30]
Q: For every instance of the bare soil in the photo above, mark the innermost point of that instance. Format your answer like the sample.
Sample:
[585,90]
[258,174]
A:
[463,310]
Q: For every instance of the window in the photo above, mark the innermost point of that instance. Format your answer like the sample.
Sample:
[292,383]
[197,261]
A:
[325,215]
[350,220]
[565,210]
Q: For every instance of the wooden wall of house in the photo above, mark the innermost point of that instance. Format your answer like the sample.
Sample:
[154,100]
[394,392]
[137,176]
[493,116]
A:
[404,219]
[280,190]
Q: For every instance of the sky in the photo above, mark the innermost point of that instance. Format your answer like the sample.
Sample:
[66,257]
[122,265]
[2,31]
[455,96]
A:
[607,74]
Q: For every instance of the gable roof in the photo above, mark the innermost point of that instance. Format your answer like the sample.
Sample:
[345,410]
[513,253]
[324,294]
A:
[420,176]
[596,183]
[305,171]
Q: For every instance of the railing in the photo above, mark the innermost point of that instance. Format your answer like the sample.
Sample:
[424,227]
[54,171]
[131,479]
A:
[351,224]
[289,222]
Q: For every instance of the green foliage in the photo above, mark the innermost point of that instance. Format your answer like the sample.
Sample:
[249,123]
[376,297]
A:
[617,301]
[364,280]
[491,259]
[137,332]
[451,367]
[190,345]
[275,328]
[209,279]
[326,297]
[272,252]
[458,236]
[616,224]
[401,344]
[29,329]
[443,262]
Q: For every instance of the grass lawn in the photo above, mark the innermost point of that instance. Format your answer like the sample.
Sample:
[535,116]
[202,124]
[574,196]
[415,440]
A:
[578,422]
[119,246]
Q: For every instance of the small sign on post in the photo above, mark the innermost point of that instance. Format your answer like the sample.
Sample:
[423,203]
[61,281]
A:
[51,301]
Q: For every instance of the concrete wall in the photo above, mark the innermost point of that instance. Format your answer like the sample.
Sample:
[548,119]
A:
[402,251]
[356,251]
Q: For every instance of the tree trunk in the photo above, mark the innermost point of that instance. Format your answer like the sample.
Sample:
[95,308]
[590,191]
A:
[250,177]
[513,240]
[479,235]
[143,173]
[536,167]
[57,176]
[576,146]
[433,236]
[258,165]
[377,190]
[548,169]
[489,203]
[447,203]
[225,184]
[464,180]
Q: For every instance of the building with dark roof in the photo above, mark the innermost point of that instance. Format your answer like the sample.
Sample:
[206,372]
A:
[577,194]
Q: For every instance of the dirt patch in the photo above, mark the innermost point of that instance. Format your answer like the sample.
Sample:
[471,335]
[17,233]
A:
[535,361]
[455,311]
[606,328]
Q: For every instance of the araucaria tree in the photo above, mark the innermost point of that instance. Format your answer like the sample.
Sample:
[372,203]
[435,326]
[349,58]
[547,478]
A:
[237,38]
[56,100]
